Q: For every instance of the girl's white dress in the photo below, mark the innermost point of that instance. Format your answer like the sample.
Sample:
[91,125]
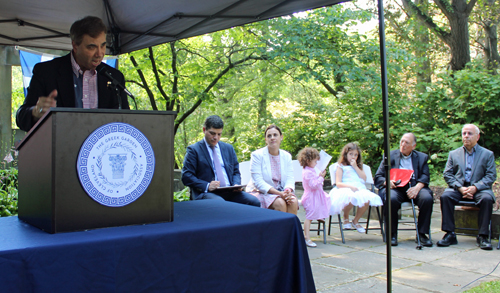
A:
[341,197]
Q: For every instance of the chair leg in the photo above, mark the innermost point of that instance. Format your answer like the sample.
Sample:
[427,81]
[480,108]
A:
[341,229]
[329,224]
[319,227]
[490,232]
[381,224]
[324,232]
[368,220]
[416,224]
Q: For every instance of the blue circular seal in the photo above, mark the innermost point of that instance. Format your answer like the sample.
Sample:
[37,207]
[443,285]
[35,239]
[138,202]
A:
[115,164]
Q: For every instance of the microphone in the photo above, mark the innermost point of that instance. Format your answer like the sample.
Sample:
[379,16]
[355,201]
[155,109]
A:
[103,70]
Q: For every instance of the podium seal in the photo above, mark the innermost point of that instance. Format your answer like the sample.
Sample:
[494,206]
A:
[115,164]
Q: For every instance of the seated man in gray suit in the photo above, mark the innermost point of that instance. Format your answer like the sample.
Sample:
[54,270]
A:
[210,164]
[470,172]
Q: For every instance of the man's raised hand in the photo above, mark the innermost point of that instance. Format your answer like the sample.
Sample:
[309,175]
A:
[44,104]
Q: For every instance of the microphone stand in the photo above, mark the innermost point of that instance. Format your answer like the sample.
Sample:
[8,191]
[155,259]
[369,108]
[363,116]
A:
[115,85]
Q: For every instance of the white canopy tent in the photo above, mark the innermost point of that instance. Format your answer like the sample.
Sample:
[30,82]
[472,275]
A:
[135,25]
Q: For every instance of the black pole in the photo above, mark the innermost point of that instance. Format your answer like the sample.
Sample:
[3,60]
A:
[385,104]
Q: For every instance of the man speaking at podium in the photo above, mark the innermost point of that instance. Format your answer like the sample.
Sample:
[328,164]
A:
[72,80]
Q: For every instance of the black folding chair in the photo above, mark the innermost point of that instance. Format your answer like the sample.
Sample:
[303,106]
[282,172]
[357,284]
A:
[415,222]
[319,223]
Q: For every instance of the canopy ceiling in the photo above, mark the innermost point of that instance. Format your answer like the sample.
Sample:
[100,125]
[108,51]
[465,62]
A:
[135,24]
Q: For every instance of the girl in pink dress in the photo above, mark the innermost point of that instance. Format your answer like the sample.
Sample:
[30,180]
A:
[315,201]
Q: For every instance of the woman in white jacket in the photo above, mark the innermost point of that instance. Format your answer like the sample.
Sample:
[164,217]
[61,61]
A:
[272,180]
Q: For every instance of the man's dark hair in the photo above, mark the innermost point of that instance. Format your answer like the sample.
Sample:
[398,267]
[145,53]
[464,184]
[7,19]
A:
[90,25]
[214,122]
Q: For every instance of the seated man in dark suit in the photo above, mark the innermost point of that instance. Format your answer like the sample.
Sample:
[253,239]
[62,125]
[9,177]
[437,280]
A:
[470,173]
[72,80]
[210,164]
[407,158]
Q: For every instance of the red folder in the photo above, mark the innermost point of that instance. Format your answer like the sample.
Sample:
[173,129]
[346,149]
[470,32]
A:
[401,174]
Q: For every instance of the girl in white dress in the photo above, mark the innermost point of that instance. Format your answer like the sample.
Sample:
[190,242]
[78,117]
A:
[350,189]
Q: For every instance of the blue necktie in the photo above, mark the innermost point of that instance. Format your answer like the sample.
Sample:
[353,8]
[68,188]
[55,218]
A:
[218,167]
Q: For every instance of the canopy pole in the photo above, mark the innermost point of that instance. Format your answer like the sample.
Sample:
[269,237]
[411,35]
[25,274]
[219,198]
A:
[385,104]
[5,103]
[115,47]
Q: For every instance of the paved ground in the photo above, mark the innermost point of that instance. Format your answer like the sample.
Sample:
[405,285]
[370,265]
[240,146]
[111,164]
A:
[360,264]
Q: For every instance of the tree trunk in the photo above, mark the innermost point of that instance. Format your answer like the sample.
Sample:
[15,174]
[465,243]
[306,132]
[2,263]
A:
[262,108]
[424,67]
[459,41]
[493,58]
[490,48]
[262,113]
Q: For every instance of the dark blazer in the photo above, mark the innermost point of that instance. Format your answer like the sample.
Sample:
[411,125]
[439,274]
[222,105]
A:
[57,74]
[198,170]
[484,171]
[420,168]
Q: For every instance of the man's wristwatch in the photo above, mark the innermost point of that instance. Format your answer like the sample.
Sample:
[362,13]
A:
[40,110]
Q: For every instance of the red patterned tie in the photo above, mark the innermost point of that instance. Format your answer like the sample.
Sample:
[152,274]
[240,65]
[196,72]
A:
[218,167]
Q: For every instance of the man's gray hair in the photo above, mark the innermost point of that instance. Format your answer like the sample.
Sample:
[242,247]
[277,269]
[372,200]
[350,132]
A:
[412,135]
[477,128]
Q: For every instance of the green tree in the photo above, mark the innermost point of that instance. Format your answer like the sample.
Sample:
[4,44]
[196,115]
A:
[181,75]
[456,34]
[487,16]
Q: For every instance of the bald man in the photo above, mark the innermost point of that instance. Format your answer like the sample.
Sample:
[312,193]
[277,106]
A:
[418,188]
[470,173]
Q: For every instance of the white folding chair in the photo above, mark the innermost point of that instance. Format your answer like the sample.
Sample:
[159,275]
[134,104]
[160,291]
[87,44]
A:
[245,172]
[369,181]
[297,171]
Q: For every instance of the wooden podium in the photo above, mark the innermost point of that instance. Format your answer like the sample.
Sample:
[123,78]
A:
[51,196]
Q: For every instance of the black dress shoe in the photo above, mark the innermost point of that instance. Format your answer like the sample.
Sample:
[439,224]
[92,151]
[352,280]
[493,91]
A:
[394,240]
[450,238]
[483,243]
[424,240]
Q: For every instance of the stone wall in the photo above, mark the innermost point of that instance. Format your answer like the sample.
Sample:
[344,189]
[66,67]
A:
[178,186]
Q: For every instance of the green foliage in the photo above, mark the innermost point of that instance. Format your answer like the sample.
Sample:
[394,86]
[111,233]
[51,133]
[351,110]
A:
[486,287]
[17,92]
[189,77]
[182,195]
[8,192]
[319,80]
[477,100]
